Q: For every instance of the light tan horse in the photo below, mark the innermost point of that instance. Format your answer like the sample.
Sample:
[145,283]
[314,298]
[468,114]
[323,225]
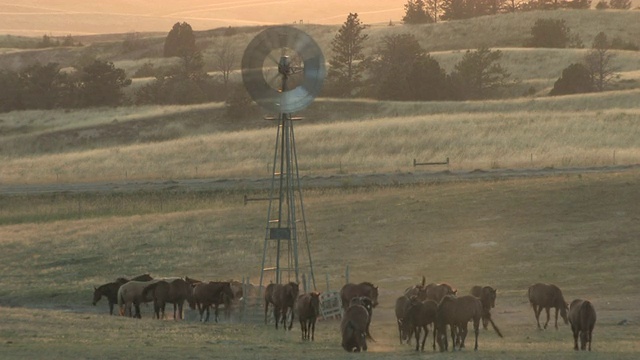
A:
[131,294]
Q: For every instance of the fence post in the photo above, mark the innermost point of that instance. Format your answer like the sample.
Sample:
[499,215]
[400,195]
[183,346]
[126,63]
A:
[327,280]
[304,283]
[346,275]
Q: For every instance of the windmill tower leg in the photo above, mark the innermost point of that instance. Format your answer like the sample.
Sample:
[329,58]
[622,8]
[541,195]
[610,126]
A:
[286,223]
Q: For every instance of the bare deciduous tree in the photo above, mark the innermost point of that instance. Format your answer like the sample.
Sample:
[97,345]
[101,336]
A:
[599,63]
[225,58]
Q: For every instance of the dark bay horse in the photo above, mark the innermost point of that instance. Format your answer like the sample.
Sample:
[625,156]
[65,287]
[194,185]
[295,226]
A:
[418,316]
[207,294]
[130,294]
[350,291]
[402,304]
[457,312]
[308,309]
[419,290]
[436,292]
[108,290]
[582,317]
[368,304]
[175,292]
[283,298]
[546,296]
[487,296]
[354,328]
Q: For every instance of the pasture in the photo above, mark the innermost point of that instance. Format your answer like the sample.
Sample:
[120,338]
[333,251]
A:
[578,231]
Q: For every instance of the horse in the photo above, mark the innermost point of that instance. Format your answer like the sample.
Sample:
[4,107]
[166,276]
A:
[418,315]
[108,290]
[546,296]
[211,293]
[436,292]
[487,296]
[582,317]
[283,298]
[419,290]
[129,294]
[350,291]
[354,328]
[308,309]
[402,303]
[368,304]
[174,292]
[143,277]
[457,312]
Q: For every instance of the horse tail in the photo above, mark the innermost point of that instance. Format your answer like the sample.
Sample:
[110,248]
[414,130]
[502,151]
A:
[121,302]
[493,325]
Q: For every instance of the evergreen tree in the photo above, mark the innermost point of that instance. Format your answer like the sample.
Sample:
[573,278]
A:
[348,63]
[598,62]
[479,73]
[620,4]
[575,79]
[416,13]
[102,83]
[181,41]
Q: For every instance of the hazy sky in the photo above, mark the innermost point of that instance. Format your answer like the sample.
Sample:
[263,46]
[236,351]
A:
[61,17]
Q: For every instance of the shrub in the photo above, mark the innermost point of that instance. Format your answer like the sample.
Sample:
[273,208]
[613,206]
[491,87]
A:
[575,79]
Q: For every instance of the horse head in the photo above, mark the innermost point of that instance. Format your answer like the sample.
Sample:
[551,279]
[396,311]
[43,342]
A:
[97,295]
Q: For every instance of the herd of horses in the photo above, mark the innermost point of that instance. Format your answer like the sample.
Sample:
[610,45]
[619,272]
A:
[419,307]
[129,294]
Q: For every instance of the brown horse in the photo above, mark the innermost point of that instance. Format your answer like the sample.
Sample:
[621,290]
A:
[175,292]
[457,312]
[143,277]
[487,296]
[131,294]
[582,317]
[402,304]
[350,291]
[108,290]
[354,328]
[308,309]
[283,298]
[211,293]
[419,290]
[368,304]
[546,296]
[436,292]
[418,316]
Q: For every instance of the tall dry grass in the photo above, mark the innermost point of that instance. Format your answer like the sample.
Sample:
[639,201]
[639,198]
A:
[571,131]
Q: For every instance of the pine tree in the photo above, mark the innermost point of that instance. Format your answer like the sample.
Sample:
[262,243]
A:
[348,62]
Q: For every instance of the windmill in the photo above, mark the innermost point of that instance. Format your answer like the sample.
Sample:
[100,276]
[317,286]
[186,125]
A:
[283,70]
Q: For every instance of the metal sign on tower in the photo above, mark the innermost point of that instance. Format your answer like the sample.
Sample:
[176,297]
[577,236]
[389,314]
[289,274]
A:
[283,70]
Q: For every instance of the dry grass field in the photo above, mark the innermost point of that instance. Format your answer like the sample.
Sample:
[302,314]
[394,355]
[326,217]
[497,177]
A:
[578,231]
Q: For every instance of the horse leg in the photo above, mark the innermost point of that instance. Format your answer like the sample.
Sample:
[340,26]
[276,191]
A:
[547,323]
[276,314]
[463,335]
[292,317]
[575,337]
[435,331]
[536,312]
[266,308]
[476,330]
[216,312]
[557,309]
[426,333]
[416,331]
[313,331]
[110,308]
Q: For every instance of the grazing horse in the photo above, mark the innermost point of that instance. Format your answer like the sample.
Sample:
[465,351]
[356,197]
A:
[211,293]
[457,312]
[308,309]
[354,328]
[402,304]
[283,298]
[546,296]
[108,290]
[582,317]
[419,290]
[418,316]
[174,292]
[350,291]
[436,292]
[487,296]
[131,294]
[368,304]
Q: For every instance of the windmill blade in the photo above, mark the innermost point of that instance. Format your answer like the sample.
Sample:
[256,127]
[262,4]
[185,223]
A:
[285,40]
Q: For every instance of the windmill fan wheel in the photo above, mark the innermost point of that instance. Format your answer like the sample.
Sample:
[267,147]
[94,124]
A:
[283,69]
